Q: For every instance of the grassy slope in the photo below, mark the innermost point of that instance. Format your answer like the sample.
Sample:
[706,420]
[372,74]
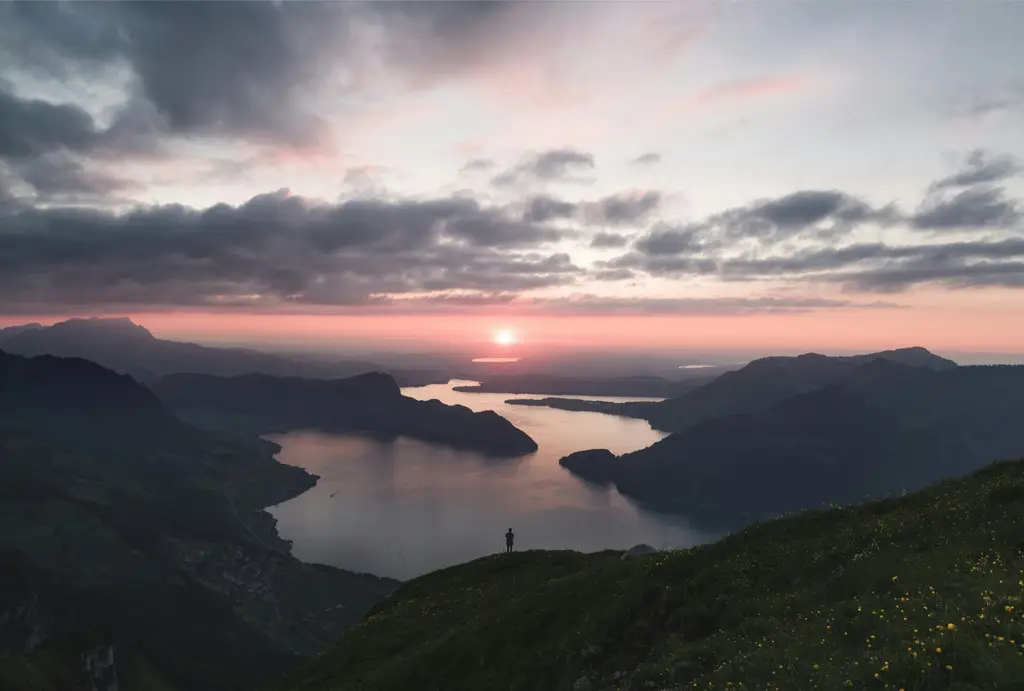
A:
[918,592]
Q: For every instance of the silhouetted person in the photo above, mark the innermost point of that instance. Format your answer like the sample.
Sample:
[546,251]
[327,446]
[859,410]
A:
[510,537]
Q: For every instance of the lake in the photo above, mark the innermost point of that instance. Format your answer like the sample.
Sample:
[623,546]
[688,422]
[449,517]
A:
[404,508]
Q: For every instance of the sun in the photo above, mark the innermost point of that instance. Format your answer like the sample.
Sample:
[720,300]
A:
[505,337]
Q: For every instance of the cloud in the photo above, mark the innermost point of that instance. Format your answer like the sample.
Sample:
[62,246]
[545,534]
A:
[980,167]
[888,268]
[607,240]
[900,278]
[668,242]
[57,175]
[871,267]
[665,265]
[275,249]
[270,71]
[548,166]
[976,208]
[31,127]
[795,213]
[648,159]
[543,208]
[623,209]
[247,69]
[45,145]
[799,238]
[808,214]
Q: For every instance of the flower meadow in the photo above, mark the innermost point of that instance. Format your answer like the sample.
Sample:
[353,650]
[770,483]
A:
[917,592]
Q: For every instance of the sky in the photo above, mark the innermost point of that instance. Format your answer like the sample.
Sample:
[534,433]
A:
[693,175]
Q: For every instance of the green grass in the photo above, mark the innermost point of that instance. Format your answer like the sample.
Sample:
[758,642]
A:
[918,592]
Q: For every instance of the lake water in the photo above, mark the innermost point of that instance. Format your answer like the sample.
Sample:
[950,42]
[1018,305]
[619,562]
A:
[404,508]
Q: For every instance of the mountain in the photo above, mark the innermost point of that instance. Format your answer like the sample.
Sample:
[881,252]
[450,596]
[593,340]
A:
[369,403]
[757,386]
[883,428]
[767,381]
[123,346]
[637,386]
[147,541]
[919,592]
[11,331]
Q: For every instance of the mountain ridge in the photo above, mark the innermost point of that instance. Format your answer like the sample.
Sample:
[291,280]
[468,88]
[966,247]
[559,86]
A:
[884,427]
[120,344]
[757,386]
[118,501]
[369,403]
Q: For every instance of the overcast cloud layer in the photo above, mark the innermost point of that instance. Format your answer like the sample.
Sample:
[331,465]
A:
[563,157]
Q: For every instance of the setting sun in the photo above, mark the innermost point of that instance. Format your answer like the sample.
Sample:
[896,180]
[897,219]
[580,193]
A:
[505,337]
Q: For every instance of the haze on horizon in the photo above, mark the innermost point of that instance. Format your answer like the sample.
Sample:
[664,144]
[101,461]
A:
[692,175]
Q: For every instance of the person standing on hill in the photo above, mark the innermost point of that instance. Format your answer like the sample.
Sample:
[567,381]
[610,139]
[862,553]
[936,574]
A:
[510,537]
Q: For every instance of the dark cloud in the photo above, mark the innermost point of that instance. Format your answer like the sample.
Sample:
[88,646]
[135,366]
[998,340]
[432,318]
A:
[430,41]
[668,242]
[58,39]
[900,278]
[661,265]
[694,251]
[793,214]
[612,275]
[558,163]
[623,209]
[549,166]
[809,215]
[647,159]
[257,70]
[45,145]
[627,208]
[886,268]
[58,176]
[976,208]
[980,167]
[275,249]
[832,259]
[236,68]
[543,208]
[29,128]
[604,240]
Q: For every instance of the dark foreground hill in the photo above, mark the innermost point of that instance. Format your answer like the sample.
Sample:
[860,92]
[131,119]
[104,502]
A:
[369,403]
[921,592]
[883,428]
[140,542]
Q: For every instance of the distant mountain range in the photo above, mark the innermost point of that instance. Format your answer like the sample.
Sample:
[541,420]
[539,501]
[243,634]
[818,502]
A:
[369,403]
[143,538]
[785,434]
[123,346]
[756,386]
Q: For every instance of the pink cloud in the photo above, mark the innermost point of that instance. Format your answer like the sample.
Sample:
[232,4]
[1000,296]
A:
[736,92]
[746,89]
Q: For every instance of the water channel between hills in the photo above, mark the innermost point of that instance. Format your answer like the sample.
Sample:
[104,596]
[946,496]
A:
[404,508]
